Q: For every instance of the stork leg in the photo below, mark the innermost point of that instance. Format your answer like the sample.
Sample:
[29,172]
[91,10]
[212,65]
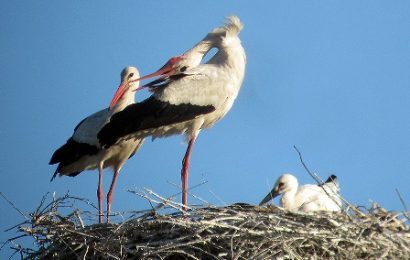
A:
[110,193]
[100,192]
[185,171]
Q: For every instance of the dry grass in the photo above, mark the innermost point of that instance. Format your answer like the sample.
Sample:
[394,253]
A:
[239,231]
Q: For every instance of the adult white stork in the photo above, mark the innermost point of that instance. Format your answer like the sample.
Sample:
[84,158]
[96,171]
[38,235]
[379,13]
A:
[187,98]
[83,150]
[306,198]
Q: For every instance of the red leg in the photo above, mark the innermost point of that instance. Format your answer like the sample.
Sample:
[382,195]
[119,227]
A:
[100,193]
[110,194]
[185,172]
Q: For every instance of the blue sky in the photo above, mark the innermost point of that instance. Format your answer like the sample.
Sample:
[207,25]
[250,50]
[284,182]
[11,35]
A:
[331,77]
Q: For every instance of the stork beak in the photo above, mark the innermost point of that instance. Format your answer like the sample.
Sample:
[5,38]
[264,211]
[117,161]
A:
[165,71]
[119,93]
[271,195]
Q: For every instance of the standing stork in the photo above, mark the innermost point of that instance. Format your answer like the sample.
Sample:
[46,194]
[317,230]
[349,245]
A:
[186,99]
[83,151]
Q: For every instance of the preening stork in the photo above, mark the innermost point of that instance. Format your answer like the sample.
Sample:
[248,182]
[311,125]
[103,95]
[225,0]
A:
[188,97]
[306,198]
[83,151]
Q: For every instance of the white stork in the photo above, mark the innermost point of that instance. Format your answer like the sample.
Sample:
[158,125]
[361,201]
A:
[83,150]
[189,97]
[306,198]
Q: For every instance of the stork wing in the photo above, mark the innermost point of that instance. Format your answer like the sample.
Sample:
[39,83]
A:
[83,142]
[204,85]
[86,131]
[151,113]
[314,197]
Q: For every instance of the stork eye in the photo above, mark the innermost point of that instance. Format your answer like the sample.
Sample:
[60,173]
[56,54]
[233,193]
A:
[183,68]
[280,185]
[131,75]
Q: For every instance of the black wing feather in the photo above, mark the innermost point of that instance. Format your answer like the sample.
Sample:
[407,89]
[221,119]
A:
[69,153]
[151,113]
[72,151]
[331,178]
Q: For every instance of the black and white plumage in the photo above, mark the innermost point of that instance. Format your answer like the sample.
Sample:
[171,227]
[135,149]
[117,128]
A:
[189,97]
[83,150]
[306,198]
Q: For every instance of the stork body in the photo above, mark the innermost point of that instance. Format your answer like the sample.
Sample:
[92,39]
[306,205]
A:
[306,198]
[189,97]
[83,150]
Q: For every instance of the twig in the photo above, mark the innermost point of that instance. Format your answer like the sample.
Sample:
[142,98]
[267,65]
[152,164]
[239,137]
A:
[78,215]
[10,240]
[14,206]
[313,175]
[406,211]
[170,198]
[171,203]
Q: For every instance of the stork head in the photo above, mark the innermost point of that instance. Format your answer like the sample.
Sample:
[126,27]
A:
[285,183]
[129,83]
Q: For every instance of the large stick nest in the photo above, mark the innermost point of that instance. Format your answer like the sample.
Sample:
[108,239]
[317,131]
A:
[239,231]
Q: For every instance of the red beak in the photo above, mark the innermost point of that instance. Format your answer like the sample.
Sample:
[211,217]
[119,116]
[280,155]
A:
[164,71]
[118,94]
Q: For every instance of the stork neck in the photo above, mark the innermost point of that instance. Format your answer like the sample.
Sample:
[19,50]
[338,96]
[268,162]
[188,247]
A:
[288,199]
[127,99]
[232,56]
[196,54]
[211,40]
[235,59]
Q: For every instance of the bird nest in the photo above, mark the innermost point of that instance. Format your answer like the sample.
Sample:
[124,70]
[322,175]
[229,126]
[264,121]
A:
[239,231]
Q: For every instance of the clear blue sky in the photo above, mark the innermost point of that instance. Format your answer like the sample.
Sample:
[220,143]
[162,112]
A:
[331,77]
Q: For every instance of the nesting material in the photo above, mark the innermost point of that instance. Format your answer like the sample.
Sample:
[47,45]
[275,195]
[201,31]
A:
[239,231]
